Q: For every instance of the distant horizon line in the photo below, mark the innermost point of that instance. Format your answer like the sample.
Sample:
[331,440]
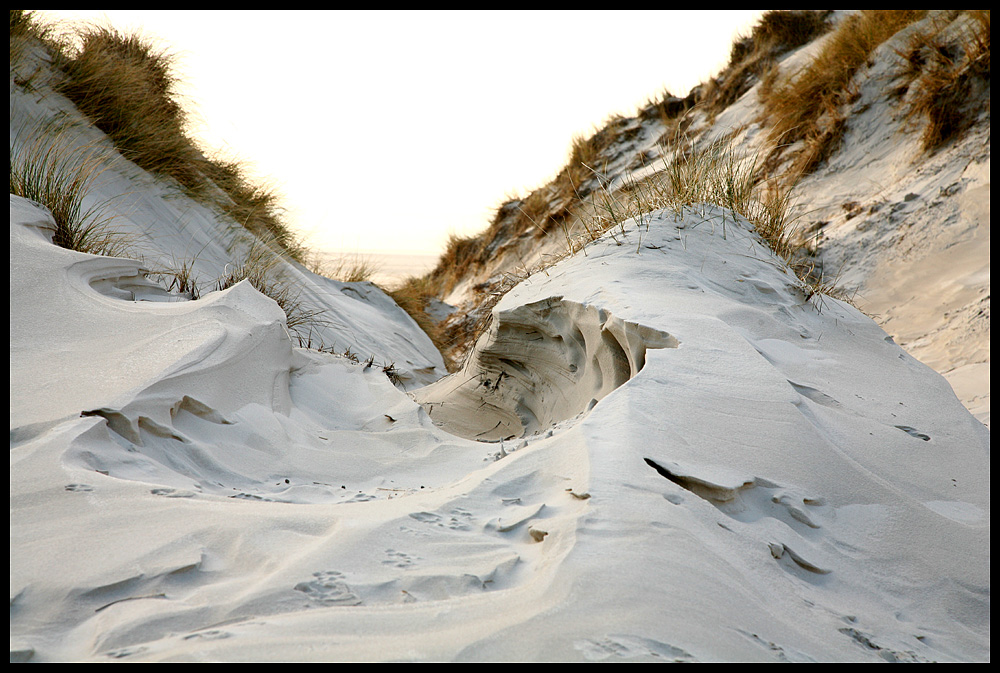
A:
[398,253]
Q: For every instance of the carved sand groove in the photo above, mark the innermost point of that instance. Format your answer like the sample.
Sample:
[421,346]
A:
[716,494]
[539,364]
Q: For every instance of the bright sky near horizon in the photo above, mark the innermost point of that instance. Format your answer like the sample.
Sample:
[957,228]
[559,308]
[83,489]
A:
[386,131]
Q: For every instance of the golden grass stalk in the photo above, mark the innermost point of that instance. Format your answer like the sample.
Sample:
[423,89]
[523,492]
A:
[347,268]
[46,171]
[260,268]
[715,173]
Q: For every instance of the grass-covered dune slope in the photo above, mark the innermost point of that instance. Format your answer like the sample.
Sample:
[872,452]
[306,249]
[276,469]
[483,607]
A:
[857,143]
[670,442]
[98,136]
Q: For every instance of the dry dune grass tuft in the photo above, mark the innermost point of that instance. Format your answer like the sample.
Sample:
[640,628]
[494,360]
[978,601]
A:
[715,173]
[346,268]
[942,71]
[809,105]
[24,29]
[128,88]
[751,57]
[462,255]
[260,267]
[45,170]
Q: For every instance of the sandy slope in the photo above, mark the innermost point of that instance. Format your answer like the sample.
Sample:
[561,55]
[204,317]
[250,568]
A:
[689,457]
[167,229]
[909,231]
[777,480]
[905,232]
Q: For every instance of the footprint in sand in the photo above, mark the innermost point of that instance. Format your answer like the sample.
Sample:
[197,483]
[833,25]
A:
[627,647]
[127,652]
[459,519]
[250,496]
[329,588]
[866,641]
[777,651]
[361,497]
[172,493]
[398,559]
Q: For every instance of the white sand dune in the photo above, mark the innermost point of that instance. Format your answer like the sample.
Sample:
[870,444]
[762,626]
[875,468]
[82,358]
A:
[664,448]
[762,477]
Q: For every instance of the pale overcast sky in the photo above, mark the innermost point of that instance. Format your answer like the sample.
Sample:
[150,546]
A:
[388,130]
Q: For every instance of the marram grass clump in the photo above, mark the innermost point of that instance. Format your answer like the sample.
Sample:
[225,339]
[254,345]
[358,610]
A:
[49,172]
[713,173]
[129,89]
[260,267]
[809,105]
[751,57]
[946,69]
[413,296]
[716,173]
[126,86]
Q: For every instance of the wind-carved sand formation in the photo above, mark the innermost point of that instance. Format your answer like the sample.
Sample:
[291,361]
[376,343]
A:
[536,365]
[898,222]
[709,460]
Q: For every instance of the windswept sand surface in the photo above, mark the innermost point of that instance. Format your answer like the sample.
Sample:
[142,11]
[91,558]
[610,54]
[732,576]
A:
[662,449]
[698,462]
